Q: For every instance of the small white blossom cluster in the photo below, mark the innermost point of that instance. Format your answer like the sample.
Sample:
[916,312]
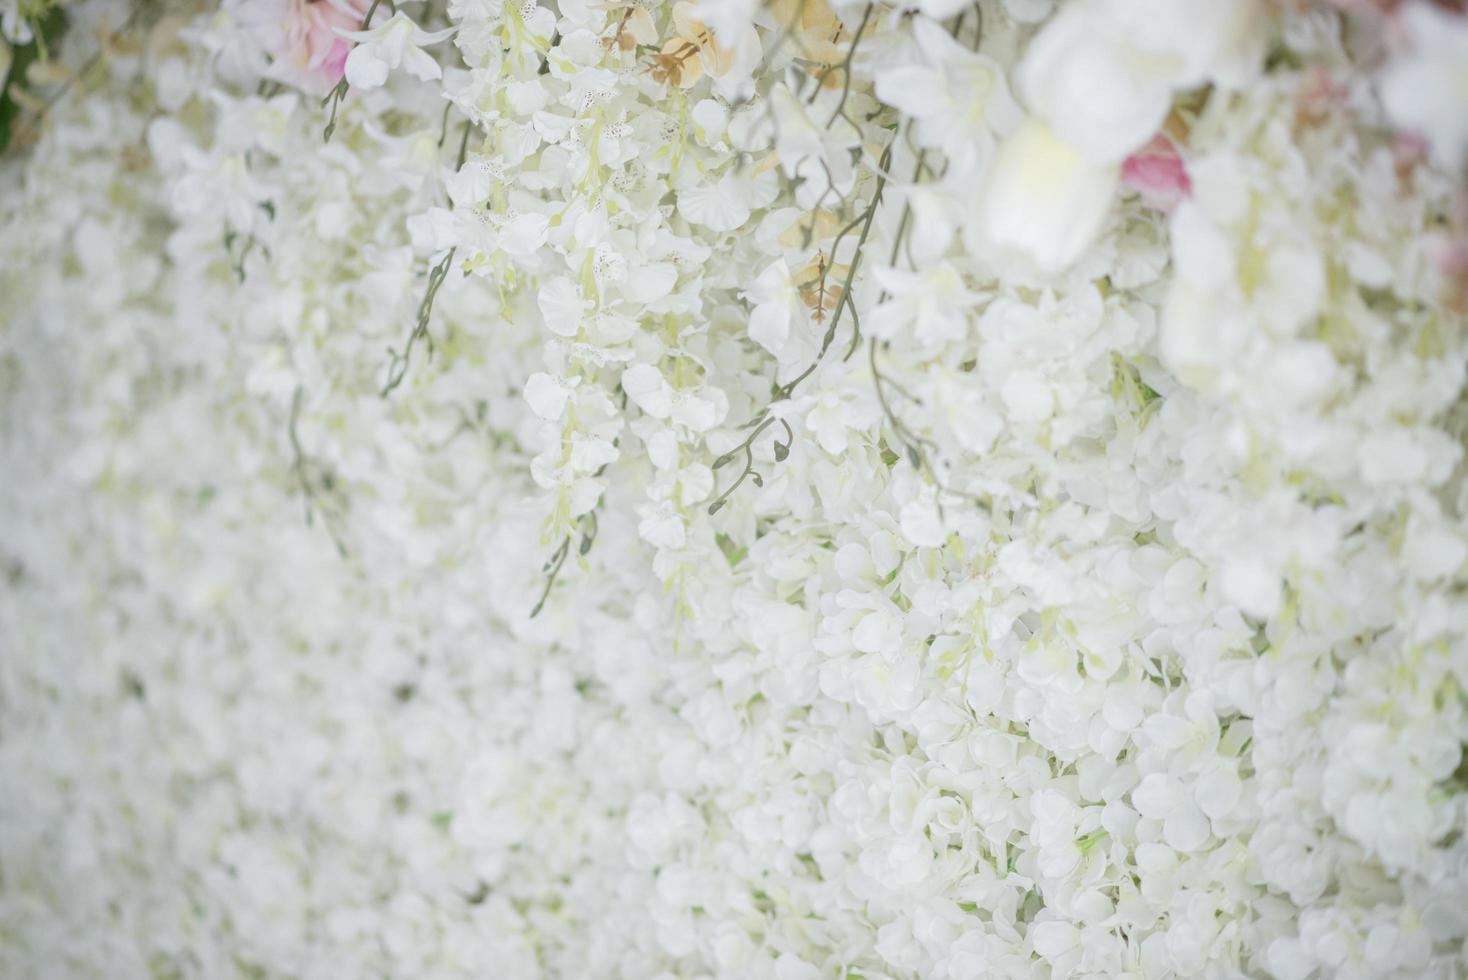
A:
[808,490]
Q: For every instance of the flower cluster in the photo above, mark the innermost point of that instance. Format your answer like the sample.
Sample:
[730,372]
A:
[795,490]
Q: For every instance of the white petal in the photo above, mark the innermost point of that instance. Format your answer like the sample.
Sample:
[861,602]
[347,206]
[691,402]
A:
[420,64]
[562,306]
[769,326]
[1217,791]
[712,207]
[364,69]
[546,396]
[644,384]
[650,283]
[1185,829]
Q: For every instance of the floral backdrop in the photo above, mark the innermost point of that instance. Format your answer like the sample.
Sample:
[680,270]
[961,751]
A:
[801,489]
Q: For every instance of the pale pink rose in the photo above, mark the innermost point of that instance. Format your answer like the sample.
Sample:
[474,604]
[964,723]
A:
[1156,172]
[1448,250]
[300,37]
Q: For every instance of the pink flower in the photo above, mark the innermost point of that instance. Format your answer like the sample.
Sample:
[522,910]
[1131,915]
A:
[301,38]
[1156,172]
[1448,250]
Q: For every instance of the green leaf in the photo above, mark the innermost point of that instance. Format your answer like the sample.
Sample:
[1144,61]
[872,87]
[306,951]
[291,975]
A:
[48,31]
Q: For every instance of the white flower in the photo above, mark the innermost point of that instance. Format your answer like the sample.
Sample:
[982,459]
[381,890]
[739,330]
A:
[397,43]
[1218,790]
[727,204]
[959,98]
[1425,87]
[1094,90]
[815,154]
[922,522]
[700,411]
[562,306]
[1253,585]
[1289,960]
[1162,797]
[933,305]
[830,418]
[662,525]
[1040,202]
[779,312]
[1027,397]
[1102,72]
[547,396]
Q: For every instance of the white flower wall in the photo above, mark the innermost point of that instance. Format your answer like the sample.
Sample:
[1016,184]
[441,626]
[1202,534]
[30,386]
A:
[797,490]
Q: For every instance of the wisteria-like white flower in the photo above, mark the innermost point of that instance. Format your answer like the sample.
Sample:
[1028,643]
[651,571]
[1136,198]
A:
[958,99]
[397,43]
